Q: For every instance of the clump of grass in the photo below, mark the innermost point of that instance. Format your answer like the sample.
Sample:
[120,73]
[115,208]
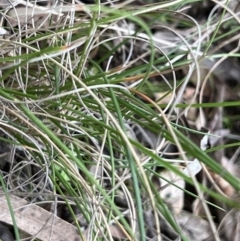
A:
[74,87]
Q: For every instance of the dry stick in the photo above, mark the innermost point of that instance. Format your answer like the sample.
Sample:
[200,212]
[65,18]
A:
[32,219]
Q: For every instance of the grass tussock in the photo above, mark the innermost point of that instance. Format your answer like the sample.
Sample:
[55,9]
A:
[121,118]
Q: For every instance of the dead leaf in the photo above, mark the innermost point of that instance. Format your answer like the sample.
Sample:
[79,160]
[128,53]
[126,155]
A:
[26,12]
[229,226]
[170,193]
[195,228]
[163,97]
[226,188]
